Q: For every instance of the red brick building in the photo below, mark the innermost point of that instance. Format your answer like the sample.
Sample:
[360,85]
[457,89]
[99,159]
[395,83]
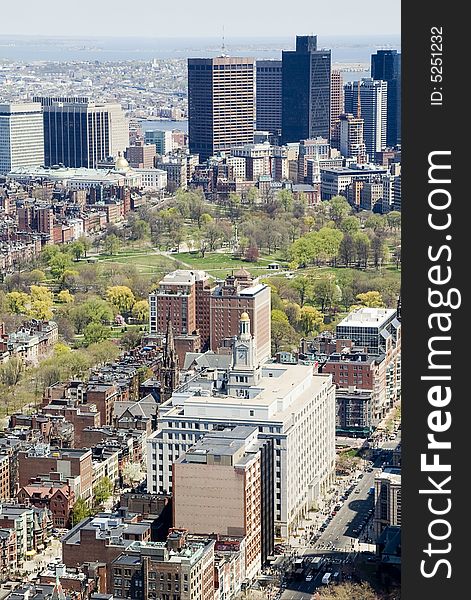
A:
[57,496]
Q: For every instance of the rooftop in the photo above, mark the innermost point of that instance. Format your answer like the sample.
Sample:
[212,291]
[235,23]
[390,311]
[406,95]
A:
[373,317]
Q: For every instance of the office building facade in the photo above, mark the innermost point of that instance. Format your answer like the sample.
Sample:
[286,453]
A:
[368,99]
[386,66]
[268,95]
[221,104]
[21,136]
[79,133]
[336,101]
[306,81]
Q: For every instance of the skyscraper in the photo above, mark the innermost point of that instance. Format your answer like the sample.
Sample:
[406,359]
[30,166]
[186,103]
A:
[21,136]
[305,91]
[221,104]
[336,99]
[371,106]
[386,65]
[350,133]
[80,133]
[268,96]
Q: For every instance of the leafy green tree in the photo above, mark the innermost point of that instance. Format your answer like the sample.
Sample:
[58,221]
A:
[378,250]
[326,292]
[102,352]
[140,311]
[95,332]
[347,250]
[350,225]
[65,297]
[102,491]
[339,209]
[80,511]
[286,199]
[122,297]
[282,334]
[362,248]
[77,249]
[371,299]
[111,244]
[303,286]
[17,302]
[41,302]
[293,312]
[60,263]
[394,219]
[311,320]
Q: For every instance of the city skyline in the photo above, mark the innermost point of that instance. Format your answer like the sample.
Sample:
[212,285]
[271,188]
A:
[369,17]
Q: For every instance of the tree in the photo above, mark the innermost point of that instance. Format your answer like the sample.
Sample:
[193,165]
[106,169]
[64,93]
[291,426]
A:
[293,312]
[282,334]
[133,473]
[252,254]
[285,197]
[394,219]
[17,302]
[102,491]
[130,340]
[347,250]
[311,319]
[140,311]
[65,297]
[362,248]
[350,225]
[122,297]
[11,371]
[111,244]
[347,591]
[60,263]
[140,229]
[326,292]
[339,208]
[376,222]
[77,249]
[378,250]
[41,303]
[80,511]
[303,286]
[102,352]
[371,299]
[95,332]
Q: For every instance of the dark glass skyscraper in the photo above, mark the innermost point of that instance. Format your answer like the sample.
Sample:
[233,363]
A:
[386,65]
[305,91]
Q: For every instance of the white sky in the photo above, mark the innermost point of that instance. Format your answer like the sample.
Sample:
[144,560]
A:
[199,18]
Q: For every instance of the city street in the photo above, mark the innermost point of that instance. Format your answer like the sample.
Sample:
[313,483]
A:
[344,536]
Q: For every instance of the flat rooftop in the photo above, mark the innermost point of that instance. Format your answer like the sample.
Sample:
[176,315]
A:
[369,317]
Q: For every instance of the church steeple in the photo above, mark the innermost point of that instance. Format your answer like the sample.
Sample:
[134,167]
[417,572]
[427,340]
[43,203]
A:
[244,327]
[170,368]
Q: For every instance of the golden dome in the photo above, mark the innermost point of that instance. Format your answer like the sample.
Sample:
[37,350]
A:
[244,317]
[121,163]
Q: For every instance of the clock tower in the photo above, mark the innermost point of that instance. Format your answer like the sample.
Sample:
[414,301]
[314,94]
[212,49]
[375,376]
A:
[245,371]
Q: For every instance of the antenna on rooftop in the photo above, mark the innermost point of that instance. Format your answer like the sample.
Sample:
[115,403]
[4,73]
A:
[223,47]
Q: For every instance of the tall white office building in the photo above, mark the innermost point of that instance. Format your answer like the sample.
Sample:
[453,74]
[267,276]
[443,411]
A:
[372,107]
[21,136]
[288,403]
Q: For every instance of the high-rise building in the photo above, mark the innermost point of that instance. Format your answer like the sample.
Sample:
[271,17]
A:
[368,99]
[288,404]
[351,142]
[336,100]
[223,469]
[80,133]
[386,66]
[268,95]
[182,296]
[221,104]
[306,81]
[21,136]
[241,293]
[161,139]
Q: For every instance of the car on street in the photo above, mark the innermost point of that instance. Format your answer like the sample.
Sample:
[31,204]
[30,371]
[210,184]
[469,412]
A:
[309,577]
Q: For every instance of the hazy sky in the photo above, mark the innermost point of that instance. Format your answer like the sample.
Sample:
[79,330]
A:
[195,18]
